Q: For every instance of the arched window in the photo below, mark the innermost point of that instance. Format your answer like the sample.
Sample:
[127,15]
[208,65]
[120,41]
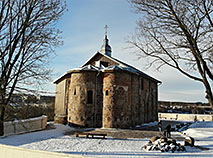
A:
[107,93]
[75,91]
[89,97]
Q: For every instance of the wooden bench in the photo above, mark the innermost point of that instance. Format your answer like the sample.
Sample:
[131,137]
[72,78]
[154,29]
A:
[94,135]
[85,134]
[162,117]
[174,118]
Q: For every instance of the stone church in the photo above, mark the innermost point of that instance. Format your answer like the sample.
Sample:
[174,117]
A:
[106,92]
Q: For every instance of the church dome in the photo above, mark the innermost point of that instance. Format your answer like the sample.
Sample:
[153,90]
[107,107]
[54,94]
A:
[105,48]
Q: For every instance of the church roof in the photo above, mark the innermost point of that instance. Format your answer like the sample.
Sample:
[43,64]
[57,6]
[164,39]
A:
[86,67]
[121,66]
[83,68]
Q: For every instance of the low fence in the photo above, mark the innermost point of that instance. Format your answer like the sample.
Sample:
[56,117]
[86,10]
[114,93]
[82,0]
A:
[24,126]
[17,152]
[185,117]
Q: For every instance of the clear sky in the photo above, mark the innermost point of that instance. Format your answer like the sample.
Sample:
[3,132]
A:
[83,34]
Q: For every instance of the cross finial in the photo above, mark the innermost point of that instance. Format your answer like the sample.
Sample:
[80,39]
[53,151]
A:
[106,27]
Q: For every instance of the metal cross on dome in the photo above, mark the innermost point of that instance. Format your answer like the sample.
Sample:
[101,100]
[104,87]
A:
[106,27]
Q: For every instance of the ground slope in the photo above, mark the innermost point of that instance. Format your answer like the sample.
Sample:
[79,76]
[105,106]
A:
[56,140]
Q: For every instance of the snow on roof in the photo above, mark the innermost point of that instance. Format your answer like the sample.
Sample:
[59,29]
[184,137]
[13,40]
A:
[133,69]
[125,66]
[60,77]
[117,67]
[84,68]
[122,66]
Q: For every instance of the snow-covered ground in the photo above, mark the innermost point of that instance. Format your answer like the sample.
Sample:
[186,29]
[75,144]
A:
[55,140]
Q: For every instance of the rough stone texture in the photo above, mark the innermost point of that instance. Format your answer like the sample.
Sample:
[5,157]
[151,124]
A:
[163,145]
[123,108]
[121,99]
[80,112]
[136,106]
[60,120]
[60,107]
[189,141]
[117,105]
[108,99]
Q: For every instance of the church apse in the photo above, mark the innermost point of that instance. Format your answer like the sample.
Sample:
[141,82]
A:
[82,102]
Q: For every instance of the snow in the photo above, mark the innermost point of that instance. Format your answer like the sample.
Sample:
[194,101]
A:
[147,124]
[55,140]
[203,134]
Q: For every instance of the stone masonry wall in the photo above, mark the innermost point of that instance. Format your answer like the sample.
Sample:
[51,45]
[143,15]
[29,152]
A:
[149,96]
[126,104]
[135,105]
[144,100]
[108,99]
[60,108]
[123,100]
[119,99]
[80,112]
[98,104]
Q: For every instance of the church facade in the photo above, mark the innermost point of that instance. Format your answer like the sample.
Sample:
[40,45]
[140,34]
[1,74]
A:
[106,92]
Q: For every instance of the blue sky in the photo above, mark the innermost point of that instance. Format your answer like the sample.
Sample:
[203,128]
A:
[83,34]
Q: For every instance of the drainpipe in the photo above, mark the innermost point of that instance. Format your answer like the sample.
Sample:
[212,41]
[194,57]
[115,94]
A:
[96,89]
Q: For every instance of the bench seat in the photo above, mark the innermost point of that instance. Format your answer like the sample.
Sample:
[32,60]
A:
[93,135]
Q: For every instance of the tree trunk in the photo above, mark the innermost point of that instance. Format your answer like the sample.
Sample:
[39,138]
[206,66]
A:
[203,70]
[1,128]
[210,98]
[2,119]
[209,95]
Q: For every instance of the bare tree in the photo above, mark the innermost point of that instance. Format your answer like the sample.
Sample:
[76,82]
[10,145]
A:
[178,34]
[27,40]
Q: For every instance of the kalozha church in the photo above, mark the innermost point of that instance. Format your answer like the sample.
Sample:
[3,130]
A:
[106,92]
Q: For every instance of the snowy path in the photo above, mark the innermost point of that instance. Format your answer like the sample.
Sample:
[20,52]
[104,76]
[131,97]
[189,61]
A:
[55,140]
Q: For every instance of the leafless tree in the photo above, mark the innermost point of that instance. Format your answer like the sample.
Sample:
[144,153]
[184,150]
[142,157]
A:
[178,34]
[27,40]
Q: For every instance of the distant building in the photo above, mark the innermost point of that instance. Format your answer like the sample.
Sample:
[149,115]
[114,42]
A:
[106,92]
[184,107]
[15,98]
[32,100]
[45,99]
